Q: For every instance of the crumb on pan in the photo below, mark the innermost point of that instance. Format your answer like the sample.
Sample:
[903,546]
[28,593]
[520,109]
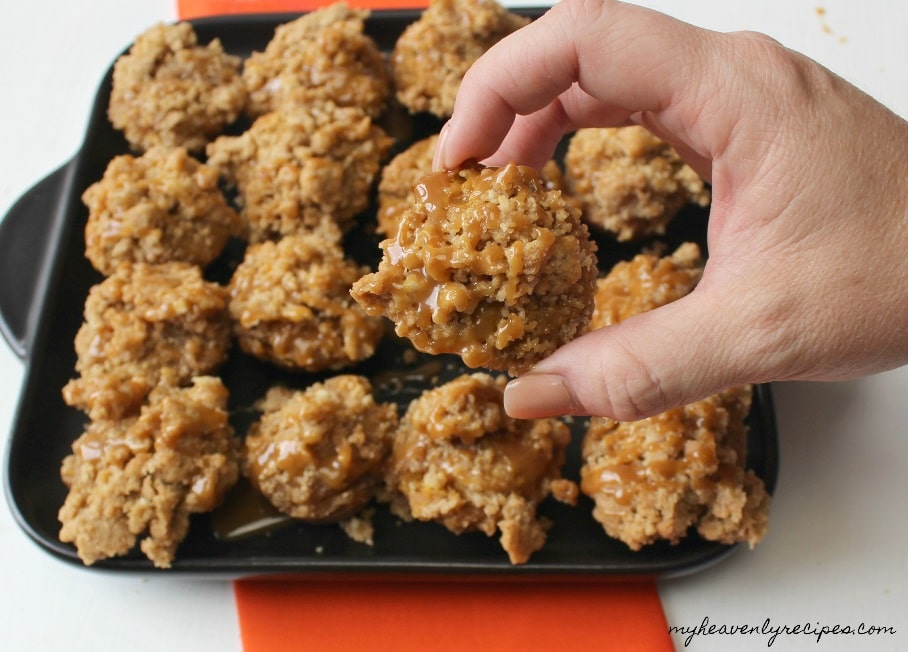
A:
[459,460]
[290,304]
[488,264]
[321,56]
[629,182]
[656,478]
[140,321]
[319,454]
[360,527]
[168,90]
[644,283]
[142,476]
[433,53]
[160,207]
[305,171]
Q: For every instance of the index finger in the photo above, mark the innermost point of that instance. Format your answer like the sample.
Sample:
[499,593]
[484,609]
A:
[583,63]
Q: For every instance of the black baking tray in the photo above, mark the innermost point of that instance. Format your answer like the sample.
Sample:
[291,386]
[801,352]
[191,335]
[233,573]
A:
[45,277]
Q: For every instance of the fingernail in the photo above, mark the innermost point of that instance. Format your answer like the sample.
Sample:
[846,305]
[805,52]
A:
[540,395]
[438,159]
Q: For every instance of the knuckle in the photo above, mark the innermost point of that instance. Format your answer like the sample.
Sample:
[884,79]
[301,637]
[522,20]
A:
[633,387]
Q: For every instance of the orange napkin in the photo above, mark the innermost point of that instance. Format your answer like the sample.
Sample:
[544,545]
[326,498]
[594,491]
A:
[376,613]
[187,9]
[373,615]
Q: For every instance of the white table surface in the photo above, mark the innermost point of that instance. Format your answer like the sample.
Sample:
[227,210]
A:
[836,551]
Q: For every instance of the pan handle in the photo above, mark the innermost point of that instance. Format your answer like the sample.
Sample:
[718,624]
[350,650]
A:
[24,238]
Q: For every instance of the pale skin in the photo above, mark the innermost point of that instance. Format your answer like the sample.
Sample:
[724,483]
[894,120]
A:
[807,276]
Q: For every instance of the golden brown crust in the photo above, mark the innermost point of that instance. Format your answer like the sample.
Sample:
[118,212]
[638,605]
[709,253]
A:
[290,304]
[321,56]
[160,207]
[644,283]
[432,54]
[142,477]
[167,90]
[140,322]
[402,173]
[319,454]
[628,181]
[460,460]
[656,478]
[398,178]
[306,171]
[488,264]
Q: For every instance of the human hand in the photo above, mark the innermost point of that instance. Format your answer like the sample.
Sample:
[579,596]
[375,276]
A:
[807,276]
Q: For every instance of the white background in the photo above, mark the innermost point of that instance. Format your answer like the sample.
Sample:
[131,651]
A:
[836,550]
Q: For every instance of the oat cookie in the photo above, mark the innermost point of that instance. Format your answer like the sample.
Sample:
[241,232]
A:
[488,264]
[319,454]
[685,468]
[458,459]
[290,304]
[644,283]
[168,90]
[432,54]
[160,207]
[305,171]
[629,182]
[323,55]
[141,477]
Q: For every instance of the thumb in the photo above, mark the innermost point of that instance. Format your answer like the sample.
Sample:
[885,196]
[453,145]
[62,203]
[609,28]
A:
[647,364]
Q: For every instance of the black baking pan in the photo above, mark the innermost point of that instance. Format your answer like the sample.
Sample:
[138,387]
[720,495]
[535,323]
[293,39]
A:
[45,278]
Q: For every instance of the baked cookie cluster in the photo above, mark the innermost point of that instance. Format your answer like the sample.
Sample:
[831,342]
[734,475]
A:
[433,53]
[290,304]
[169,90]
[645,282]
[319,454]
[163,206]
[145,324]
[141,476]
[459,460]
[323,57]
[629,182]
[656,478]
[303,171]
[488,264]
[156,326]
